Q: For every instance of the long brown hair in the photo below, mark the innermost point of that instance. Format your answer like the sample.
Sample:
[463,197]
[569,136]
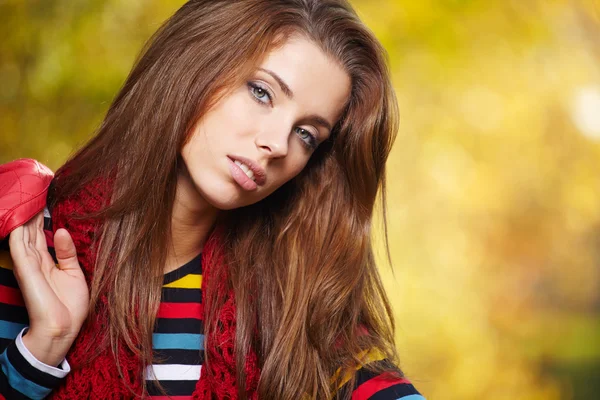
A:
[320,302]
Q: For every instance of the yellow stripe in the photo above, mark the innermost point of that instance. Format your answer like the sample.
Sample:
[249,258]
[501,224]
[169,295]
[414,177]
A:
[5,260]
[366,357]
[191,281]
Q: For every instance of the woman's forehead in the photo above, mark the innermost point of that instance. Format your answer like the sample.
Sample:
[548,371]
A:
[308,76]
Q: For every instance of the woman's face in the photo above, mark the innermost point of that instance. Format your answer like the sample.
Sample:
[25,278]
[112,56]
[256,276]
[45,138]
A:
[263,133]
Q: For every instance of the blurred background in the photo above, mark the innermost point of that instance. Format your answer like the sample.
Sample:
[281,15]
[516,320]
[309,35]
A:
[494,193]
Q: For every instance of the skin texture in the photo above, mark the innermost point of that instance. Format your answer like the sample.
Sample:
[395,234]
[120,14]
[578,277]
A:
[278,133]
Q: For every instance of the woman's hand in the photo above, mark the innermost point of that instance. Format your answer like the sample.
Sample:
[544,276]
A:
[56,296]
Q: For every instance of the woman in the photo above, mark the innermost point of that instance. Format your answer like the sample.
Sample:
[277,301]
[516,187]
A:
[243,154]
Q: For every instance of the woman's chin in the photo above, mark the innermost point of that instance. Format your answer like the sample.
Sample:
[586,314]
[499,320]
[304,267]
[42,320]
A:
[229,197]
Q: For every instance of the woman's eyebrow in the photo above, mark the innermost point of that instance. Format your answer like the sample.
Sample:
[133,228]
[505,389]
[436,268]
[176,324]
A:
[318,120]
[284,87]
[315,119]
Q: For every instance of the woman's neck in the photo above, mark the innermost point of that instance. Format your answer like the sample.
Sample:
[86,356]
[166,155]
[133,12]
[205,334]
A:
[191,222]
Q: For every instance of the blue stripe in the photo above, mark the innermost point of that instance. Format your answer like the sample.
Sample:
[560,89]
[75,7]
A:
[10,330]
[185,341]
[412,397]
[18,382]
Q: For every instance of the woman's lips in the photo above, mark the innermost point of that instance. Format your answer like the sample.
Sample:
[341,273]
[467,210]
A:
[240,177]
[260,176]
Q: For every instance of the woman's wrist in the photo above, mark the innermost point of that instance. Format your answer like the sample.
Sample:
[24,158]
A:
[48,349]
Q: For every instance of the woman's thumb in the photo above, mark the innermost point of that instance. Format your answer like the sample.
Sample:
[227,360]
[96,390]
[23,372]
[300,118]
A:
[66,253]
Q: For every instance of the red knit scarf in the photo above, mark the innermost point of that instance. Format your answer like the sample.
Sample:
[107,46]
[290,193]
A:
[100,379]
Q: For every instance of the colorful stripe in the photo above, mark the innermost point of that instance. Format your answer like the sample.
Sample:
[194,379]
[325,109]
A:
[190,281]
[178,341]
[180,310]
[187,341]
[179,325]
[366,357]
[16,314]
[11,296]
[10,330]
[16,380]
[173,372]
[376,384]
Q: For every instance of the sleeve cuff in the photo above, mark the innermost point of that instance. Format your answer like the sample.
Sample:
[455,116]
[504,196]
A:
[61,372]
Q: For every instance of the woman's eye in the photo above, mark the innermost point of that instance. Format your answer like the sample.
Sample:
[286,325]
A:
[260,93]
[307,137]
[303,133]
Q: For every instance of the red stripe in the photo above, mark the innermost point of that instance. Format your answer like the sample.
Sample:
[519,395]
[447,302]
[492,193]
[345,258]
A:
[374,385]
[11,296]
[180,310]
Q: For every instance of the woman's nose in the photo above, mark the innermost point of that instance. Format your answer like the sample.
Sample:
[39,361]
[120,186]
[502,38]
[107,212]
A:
[273,142]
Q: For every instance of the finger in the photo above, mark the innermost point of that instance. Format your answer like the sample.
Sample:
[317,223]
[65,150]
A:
[40,239]
[40,220]
[21,254]
[31,227]
[66,253]
[16,242]
[25,236]
[42,249]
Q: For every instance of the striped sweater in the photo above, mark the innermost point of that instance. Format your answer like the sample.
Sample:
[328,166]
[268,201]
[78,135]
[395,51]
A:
[177,341]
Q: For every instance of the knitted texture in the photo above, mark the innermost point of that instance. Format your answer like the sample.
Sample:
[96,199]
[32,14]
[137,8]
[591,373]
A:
[100,378]
[218,378]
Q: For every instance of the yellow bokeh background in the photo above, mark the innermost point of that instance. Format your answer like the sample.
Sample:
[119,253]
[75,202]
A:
[494,189]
